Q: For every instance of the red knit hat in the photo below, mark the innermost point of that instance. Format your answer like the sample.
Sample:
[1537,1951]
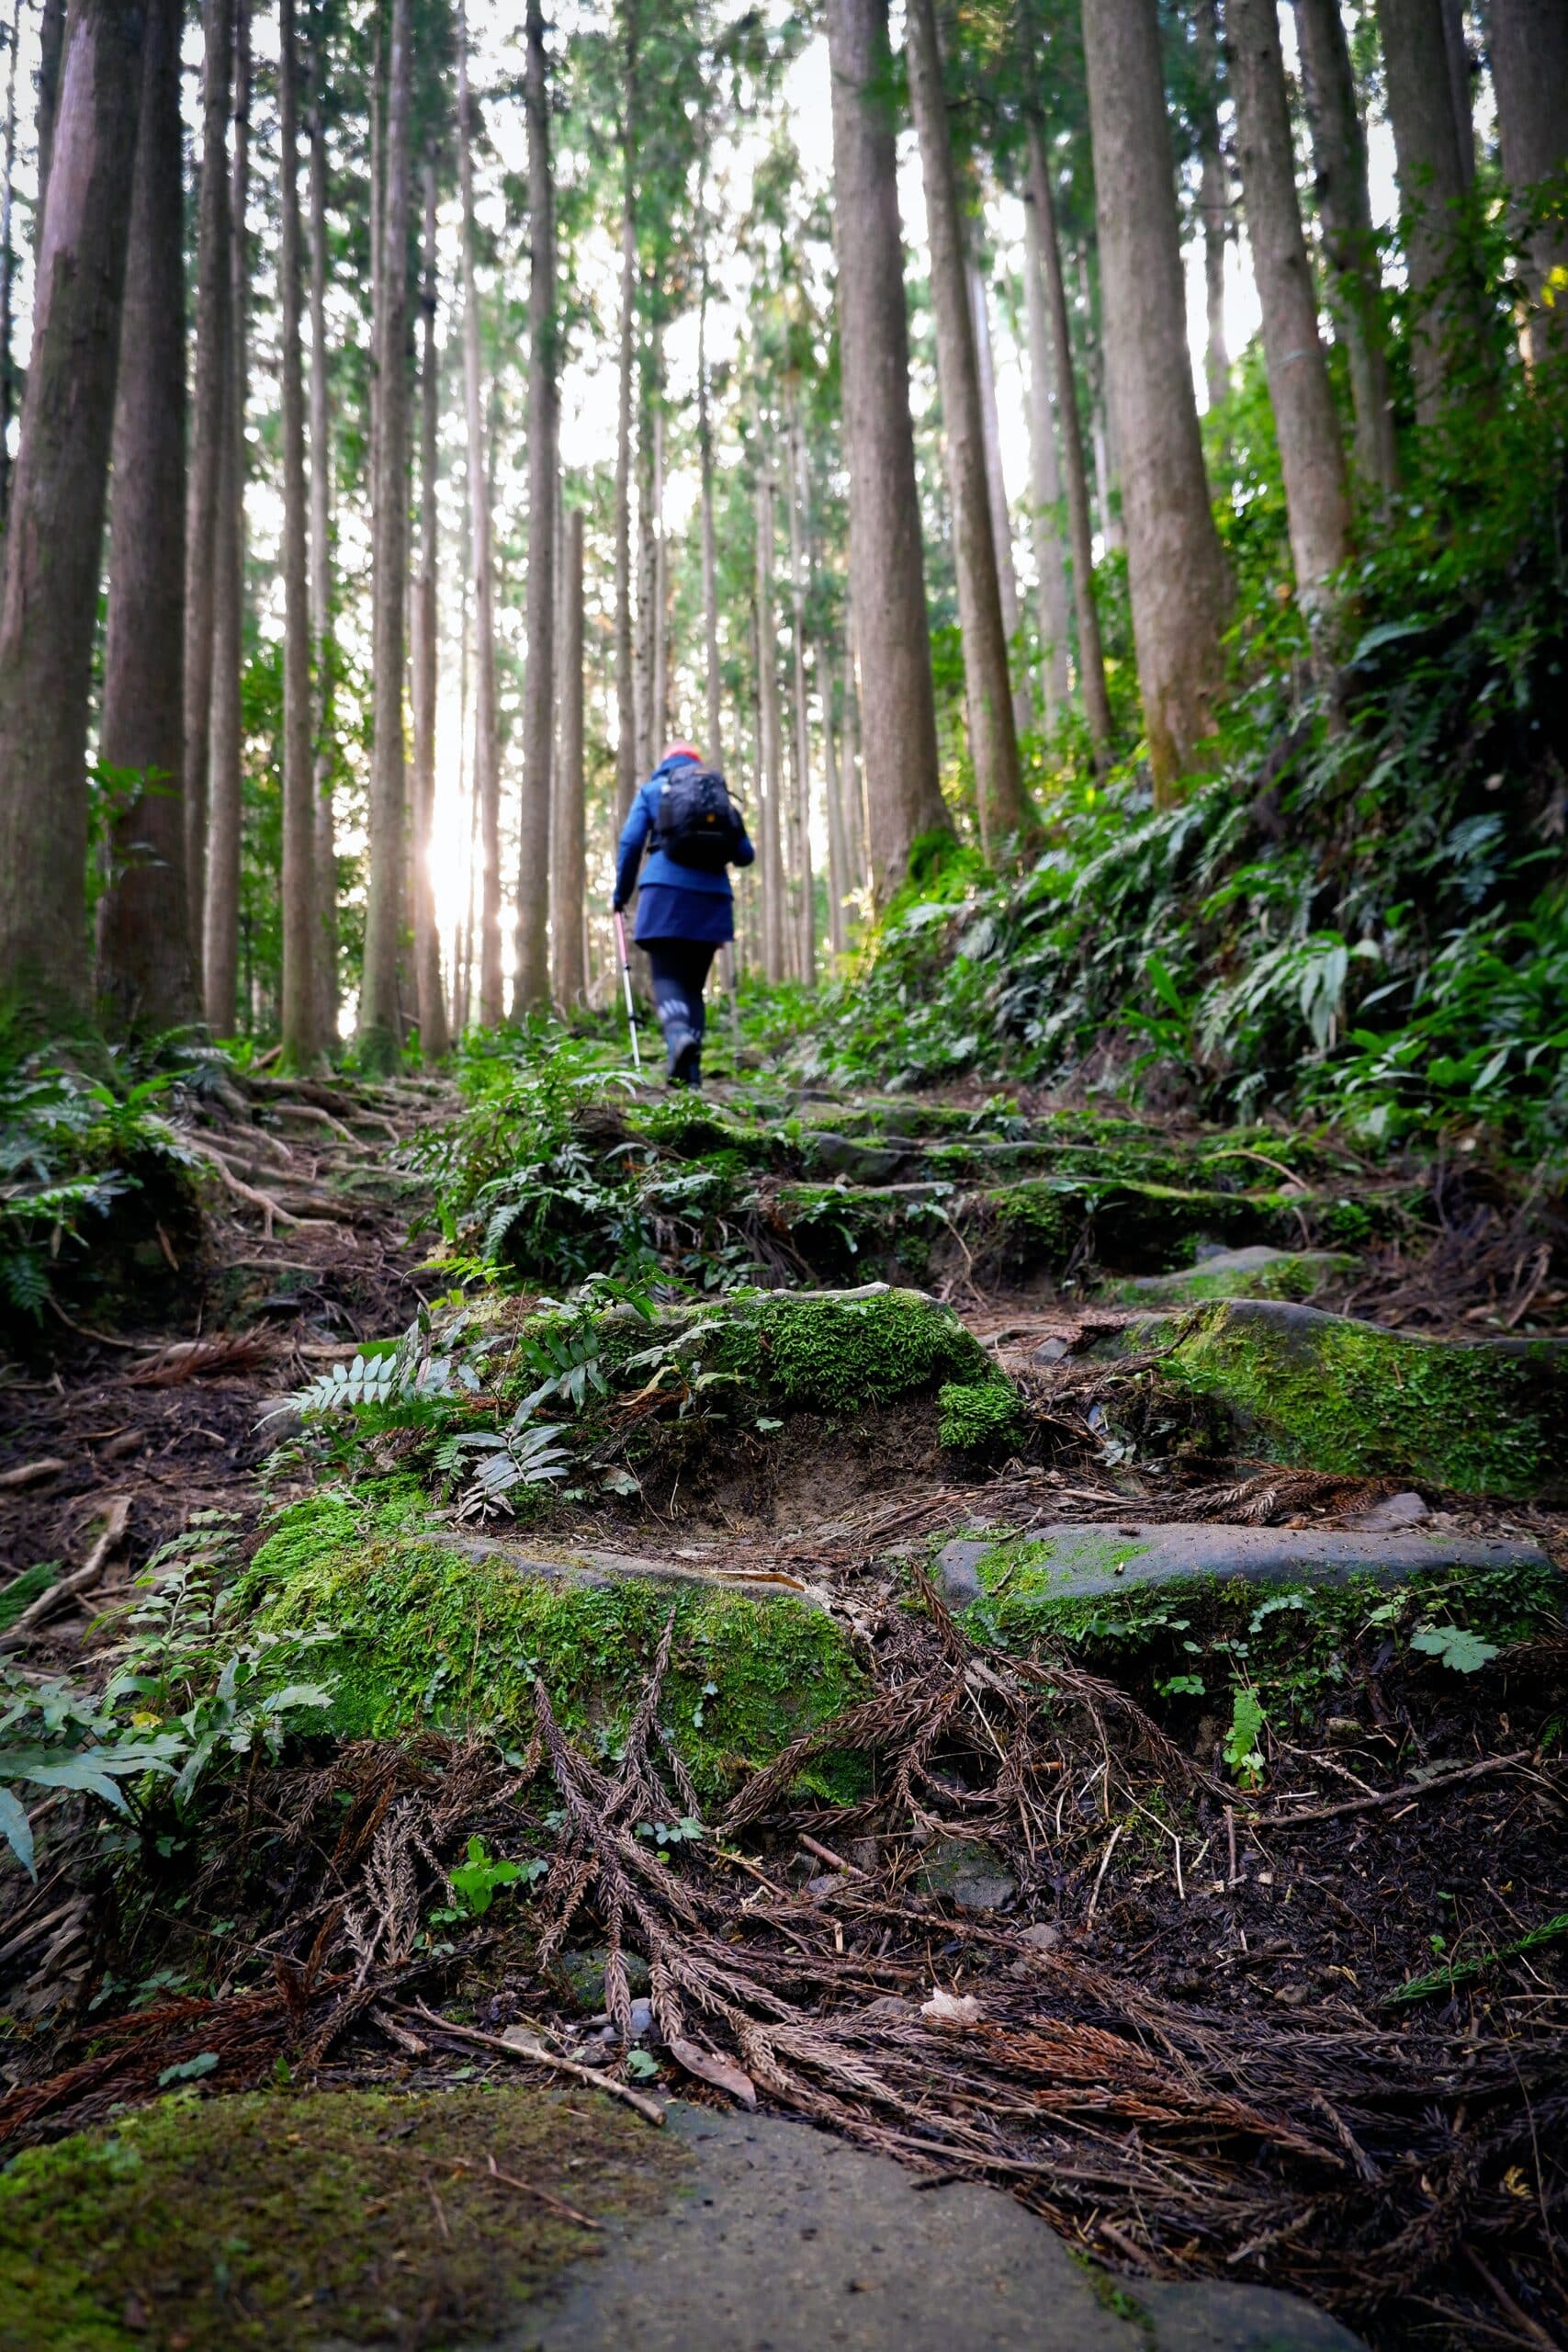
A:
[681,752]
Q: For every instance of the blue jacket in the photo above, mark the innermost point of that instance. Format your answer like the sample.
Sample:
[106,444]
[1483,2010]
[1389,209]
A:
[676,901]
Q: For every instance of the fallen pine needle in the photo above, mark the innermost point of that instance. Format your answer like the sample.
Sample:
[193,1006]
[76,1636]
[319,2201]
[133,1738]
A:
[534,2051]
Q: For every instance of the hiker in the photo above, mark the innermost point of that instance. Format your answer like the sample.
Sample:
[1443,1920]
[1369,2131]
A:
[686,908]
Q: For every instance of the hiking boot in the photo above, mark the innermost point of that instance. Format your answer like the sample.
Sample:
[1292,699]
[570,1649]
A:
[687,1070]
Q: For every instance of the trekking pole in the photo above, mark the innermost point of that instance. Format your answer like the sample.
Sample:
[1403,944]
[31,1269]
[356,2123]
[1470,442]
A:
[626,977]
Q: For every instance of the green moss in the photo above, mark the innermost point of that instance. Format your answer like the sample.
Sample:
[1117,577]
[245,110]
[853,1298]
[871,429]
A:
[981,1416]
[838,1355]
[1331,1394]
[1293,1275]
[302,2219]
[428,1634]
[1024,1566]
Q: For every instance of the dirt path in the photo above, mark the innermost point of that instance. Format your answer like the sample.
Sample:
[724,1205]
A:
[1292,2020]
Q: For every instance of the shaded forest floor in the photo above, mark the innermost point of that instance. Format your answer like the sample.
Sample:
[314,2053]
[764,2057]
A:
[1279,2003]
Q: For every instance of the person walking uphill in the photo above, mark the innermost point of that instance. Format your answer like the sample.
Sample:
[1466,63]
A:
[686,908]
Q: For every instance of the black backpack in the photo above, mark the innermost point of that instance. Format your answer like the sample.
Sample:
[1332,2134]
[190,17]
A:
[698,824]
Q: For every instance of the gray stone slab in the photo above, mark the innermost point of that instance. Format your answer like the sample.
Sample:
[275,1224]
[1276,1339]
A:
[786,2240]
[1236,1273]
[1088,1559]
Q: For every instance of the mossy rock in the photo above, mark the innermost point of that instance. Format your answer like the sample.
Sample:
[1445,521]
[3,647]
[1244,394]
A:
[433,1629]
[300,2219]
[1326,1393]
[1258,1271]
[1189,1612]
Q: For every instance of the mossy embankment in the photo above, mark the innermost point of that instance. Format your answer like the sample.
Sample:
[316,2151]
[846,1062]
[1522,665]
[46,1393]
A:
[302,2219]
[1290,1385]
[434,1624]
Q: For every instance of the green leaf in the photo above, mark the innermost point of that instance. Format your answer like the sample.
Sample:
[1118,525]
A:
[189,2070]
[1453,1646]
[17,1830]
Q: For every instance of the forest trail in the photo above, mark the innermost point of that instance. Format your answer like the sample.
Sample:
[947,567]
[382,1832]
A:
[1158,1652]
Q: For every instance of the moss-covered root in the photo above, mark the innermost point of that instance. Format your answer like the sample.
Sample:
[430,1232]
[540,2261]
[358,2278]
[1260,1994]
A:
[284,2218]
[429,1630]
[1321,1391]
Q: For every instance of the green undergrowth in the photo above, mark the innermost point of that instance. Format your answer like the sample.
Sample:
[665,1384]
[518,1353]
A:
[1330,1394]
[583,1397]
[306,2219]
[1354,908]
[432,1629]
[1295,1644]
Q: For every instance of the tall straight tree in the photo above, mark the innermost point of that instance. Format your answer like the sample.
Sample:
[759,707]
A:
[626,686]
[213,288]
[300,1031]
[52,549]
[1317,491]
[1349,242]
[987,688]
[487,715]
[325,857]
[1174,566]
[146,971]
[380,1039]
[532,984]
[50,50]
[1430,167]
[567,828]
[1530,72]
[225,814]
[805,910]
[887,571]
[715,677]
[1213,199]
[1044,478]
[8,264]
[1080,537]
[770,761]
[996,492]
[429,993]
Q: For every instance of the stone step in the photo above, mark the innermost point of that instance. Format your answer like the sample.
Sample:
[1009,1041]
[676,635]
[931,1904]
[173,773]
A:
[788,2239]
[1258,1271]
[1087,1560]
[1294,1386]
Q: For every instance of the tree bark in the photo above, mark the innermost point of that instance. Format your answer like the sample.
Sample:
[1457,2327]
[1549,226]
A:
[857,829]
[430,992]
[805,911]
[50,609]
[1045,479]
[487,722]
[221,926]
[1080,537]
[1530,72]
[625,685]
[987,689]
[903,794]
[770,771]
[568,833]
[996,491]
[648,749]
[715,681]
[7,269]
[301,1038]
[1429,166]
[1456,51]
[1344,206]
[531,987]
[213,292]
[1176,567]
[51,49]
[146,977]
[1317,492]
[1213,201]
[322,649]
[380,1036]
[838,846]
